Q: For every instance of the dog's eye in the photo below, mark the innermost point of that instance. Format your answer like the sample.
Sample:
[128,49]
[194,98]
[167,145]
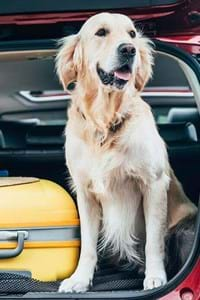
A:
[132,33]
[102,32]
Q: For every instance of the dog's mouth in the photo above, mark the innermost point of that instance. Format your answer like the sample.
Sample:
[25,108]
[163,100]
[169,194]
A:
[123,73]
[118,77]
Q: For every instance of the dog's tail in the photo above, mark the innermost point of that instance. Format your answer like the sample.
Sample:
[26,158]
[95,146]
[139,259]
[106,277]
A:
[179,242]
[178,245]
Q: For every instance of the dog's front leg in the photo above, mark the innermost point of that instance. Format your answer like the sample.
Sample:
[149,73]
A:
[89,217]
[155,211]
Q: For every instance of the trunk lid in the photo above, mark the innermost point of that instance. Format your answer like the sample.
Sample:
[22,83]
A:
[174,21]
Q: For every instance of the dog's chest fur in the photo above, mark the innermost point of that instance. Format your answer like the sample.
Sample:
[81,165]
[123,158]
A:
[116,182]
[117,177]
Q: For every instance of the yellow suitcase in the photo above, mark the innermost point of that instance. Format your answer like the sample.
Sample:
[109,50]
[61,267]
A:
[39,228]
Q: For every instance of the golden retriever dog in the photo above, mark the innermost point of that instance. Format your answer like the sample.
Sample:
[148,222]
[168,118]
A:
[118,162]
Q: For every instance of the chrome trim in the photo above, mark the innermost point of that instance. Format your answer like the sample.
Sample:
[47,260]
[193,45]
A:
[168,94]
[27,95]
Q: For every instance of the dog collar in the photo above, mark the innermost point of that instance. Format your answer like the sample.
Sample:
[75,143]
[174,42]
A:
[114,126]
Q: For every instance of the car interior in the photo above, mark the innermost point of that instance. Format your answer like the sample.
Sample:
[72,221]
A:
[33,114]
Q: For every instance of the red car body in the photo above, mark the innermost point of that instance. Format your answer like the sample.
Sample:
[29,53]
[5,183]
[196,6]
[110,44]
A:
[189,289]
[178,24]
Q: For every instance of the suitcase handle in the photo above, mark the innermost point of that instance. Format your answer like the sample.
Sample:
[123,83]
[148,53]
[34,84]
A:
[12,235]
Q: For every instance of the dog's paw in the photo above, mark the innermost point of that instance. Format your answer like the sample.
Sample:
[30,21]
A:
[74,284]
[151,282]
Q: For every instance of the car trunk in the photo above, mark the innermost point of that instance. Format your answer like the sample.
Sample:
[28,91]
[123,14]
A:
[33,106]
[33,116]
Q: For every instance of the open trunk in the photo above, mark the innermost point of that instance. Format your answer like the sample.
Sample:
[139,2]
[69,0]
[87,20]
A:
[33,106]
[33,116]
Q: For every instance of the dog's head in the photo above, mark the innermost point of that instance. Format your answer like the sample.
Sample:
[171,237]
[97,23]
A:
[108,51]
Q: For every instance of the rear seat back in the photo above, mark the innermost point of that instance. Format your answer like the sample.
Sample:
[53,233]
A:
[184,114]
[38,151]
[178,132]
[19,135]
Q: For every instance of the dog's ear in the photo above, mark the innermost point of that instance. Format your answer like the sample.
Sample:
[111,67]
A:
[144,70]
[69,60]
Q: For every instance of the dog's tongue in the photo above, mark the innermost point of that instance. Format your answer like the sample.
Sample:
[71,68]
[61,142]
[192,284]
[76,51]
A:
[122,75]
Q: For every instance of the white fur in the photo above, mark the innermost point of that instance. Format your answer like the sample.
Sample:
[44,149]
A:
[119,197]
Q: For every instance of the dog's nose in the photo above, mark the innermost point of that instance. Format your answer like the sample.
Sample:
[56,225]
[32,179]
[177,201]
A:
[127,50]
